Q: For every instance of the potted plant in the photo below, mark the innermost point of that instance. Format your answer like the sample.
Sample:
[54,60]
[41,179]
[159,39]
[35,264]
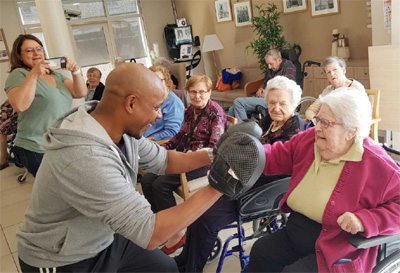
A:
[269,32]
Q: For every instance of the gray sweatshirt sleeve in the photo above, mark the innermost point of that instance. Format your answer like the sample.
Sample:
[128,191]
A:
[152,157]
[96,186]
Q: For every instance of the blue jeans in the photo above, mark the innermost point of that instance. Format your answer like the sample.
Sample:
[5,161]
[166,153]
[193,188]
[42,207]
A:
[245,105]
[30,160]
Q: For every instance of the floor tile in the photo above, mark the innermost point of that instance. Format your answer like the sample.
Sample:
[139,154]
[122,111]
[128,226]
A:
[7,264]
[14,195]
[13,214]
[8,178]
[10,234]
[4,249]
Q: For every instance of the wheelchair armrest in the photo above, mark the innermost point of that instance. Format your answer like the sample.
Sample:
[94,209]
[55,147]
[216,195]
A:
[364,243]
[263,200]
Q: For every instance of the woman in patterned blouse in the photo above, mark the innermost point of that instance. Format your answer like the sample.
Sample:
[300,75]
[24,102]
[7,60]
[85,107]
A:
[203,125]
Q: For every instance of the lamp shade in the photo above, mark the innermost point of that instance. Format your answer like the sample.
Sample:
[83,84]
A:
[211,43]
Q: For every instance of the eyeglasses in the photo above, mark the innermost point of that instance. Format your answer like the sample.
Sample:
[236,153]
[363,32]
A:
[30,50]
[193,93]
[325,123]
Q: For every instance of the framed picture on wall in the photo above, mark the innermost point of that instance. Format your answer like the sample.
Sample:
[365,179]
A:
[242,14]
[324,7]
[294,5]
[223,10]
[4,53]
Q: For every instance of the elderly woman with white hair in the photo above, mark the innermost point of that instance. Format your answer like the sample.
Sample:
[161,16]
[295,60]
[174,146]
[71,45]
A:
[341,184]
[282,96]
[335,70]
[281,123]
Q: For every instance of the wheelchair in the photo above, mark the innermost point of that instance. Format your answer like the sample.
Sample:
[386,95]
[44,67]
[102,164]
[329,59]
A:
[260,206]
[388,260]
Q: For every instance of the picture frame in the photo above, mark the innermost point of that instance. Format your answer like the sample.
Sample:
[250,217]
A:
[324,7]
[223,10]
[243,16]
[290,6]
[4,52]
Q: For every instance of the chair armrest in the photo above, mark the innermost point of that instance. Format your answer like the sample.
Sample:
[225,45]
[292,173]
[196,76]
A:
[364,243]
[251,87]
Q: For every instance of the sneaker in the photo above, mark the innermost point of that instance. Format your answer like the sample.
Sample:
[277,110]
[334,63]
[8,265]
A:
[172,249]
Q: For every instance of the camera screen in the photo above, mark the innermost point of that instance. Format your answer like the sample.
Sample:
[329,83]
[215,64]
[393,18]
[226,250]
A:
[57,63]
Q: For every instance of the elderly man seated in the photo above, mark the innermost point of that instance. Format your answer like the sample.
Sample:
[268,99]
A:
[276,67]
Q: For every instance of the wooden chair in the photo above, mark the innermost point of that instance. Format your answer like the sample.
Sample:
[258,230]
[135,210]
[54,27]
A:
[187,189]
[251,88]
[374,96]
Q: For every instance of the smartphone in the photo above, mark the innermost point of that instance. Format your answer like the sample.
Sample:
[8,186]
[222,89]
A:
[57,63]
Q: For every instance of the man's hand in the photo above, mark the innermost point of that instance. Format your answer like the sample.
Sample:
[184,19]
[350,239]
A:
[260,93]
[349,222]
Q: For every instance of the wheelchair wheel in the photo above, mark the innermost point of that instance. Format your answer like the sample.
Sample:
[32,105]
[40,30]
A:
[390,264]
[21,178]
[215,251]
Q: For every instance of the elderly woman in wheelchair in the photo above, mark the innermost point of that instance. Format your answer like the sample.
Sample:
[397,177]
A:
[280,124]
[341,184]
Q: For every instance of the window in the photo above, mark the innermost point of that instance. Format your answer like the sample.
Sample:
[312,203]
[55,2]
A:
[102,30]
[28,12]
[86,8]
[117,7]
[91,45]
[129,38]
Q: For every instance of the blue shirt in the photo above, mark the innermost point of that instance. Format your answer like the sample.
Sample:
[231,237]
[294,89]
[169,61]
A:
[172,117]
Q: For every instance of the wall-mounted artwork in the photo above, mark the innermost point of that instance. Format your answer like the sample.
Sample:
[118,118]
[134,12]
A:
[324,7]
[242,14]
[294,5]
[223,10]
[4,53]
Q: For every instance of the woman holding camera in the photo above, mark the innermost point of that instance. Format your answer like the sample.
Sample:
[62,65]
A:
[204,123]
[39,95]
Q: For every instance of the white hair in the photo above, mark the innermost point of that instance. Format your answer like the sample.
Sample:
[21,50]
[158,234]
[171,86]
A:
[284,83]
[352,107]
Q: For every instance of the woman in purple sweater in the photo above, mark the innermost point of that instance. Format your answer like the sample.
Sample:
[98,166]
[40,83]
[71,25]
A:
[341,184]
[204,123]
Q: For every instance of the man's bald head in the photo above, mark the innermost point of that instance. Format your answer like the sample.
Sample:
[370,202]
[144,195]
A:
[132,79]
[131,101]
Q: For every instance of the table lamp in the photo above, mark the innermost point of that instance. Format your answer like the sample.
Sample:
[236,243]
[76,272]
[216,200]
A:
[212,43]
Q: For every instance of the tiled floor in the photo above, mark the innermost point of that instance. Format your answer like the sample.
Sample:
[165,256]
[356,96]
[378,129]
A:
[14,198]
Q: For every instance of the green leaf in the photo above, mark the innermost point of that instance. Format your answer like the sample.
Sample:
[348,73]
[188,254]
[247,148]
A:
[269,33]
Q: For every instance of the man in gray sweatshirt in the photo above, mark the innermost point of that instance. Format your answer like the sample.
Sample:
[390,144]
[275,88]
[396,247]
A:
[84,214]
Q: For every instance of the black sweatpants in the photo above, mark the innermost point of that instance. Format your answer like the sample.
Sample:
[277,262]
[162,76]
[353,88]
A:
[289,250]
[121,256]
[159,189]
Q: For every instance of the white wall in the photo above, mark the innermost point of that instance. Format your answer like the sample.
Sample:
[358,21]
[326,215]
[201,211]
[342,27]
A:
[380,35]
[384,64]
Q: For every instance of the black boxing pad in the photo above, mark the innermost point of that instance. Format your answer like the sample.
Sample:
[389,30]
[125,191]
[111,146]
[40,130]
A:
[238,163]
[249,127]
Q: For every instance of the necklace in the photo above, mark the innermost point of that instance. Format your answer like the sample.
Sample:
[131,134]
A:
[275,128]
